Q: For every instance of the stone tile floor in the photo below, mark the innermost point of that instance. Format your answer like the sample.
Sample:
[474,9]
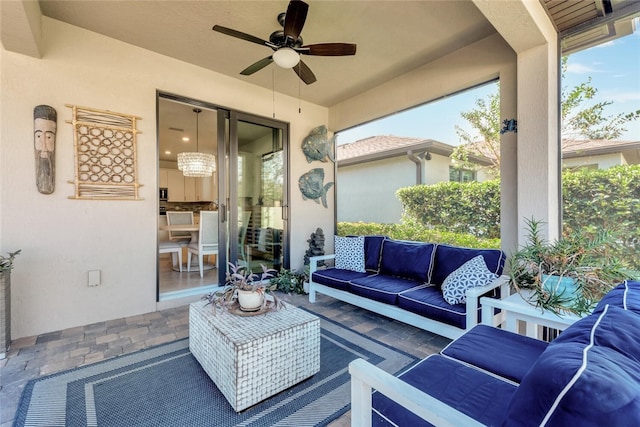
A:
[48,353]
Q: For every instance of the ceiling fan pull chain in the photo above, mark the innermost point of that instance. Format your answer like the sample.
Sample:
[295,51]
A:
[273,87]
[299,103]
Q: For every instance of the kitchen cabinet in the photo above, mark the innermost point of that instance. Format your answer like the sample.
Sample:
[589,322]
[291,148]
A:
[188,189]
[175,183]
[208,188]
[164,178]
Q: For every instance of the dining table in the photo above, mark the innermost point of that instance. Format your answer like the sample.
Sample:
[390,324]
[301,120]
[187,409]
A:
[194,229]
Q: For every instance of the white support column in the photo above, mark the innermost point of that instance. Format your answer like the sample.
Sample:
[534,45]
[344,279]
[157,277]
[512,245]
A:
[508,162]
[538,140]
[527,28]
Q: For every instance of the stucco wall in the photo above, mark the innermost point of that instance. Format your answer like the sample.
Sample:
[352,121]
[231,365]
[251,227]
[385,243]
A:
[476,64]
[63,239]
[604,161]
[367,191]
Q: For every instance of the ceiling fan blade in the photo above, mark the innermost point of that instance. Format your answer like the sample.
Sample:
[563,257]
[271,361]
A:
[257,66]
[328,49]
[305,73]
[294,19]
[240,35]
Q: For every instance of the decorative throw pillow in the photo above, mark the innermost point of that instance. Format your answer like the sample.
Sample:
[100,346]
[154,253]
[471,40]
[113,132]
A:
[350,253]
[471,274]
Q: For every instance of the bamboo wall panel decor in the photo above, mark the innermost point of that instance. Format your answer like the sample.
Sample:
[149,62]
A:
[105,155]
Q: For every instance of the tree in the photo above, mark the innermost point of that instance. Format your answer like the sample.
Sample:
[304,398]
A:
[580,121]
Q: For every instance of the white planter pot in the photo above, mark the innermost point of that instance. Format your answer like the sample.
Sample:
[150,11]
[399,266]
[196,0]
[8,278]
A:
[250,300]
[305,287]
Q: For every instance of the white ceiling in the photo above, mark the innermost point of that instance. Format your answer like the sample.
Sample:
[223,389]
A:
[392,37]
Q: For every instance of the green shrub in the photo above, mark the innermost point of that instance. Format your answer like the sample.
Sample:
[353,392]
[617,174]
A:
[408,230]
[593,199]
[466,208]
[596,199]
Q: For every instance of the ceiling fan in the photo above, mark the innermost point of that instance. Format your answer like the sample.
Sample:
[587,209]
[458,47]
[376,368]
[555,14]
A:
[288,45]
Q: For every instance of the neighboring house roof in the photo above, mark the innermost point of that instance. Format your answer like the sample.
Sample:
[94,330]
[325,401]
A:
[386,146]
[595,147]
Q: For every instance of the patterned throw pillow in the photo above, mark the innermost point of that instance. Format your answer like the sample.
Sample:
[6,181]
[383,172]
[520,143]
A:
[350,253]
[471,274]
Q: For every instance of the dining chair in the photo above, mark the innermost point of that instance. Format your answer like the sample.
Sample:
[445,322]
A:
[173,248]
[207,243]
[180,218]
[242,241]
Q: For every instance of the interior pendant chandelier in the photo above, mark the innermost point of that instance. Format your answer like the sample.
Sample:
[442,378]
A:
[196,164]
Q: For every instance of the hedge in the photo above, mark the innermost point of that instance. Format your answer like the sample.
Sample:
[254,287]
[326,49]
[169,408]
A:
[408,230]
[468,214]
[467,208]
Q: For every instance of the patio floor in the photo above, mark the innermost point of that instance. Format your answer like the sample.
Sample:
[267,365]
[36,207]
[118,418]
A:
[45,354]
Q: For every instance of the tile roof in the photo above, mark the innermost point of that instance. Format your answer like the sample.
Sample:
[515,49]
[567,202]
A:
[375,144]
[393,145]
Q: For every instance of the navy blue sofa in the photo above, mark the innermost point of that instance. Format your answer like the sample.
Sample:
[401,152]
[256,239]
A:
[403,281]
[588,376]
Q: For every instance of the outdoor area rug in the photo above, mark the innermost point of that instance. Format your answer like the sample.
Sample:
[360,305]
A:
[165,386]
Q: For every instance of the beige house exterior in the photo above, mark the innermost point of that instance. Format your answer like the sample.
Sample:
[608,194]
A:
[48,61]
[371,170]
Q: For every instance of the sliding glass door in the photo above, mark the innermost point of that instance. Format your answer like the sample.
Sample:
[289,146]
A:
[248,189]
[257,189]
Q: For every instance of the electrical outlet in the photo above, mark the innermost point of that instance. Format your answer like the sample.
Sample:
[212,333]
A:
[94,278]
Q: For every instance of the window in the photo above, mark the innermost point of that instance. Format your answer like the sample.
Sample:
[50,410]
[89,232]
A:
[461,175]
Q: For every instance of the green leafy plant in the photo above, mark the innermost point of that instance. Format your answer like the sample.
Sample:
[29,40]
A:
[6,263]
[587,260]
[469,214]
[241,278]
[289,281]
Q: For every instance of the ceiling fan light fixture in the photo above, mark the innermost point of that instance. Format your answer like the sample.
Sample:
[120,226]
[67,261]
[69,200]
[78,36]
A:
[286,57]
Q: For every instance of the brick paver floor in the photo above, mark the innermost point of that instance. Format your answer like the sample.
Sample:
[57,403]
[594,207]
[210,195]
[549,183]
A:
[52,352]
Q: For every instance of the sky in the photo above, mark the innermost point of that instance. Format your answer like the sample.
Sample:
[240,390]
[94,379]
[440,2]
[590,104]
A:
[614,68]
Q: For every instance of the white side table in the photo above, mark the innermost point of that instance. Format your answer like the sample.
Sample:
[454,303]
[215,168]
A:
[516,308]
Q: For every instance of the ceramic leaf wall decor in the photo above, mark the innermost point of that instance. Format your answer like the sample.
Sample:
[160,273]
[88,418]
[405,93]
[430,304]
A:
[105,155]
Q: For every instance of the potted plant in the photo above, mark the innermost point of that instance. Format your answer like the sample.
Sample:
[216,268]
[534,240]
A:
[245,290]
[6,265]
[289,281]
[569,275]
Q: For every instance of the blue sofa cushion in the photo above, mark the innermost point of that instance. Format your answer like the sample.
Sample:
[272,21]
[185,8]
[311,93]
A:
[372,250]
[588,376]
[495,350]
[336,277]
[427,301]
[409,260]
[626,295]
[381,288]
[481,396]
[450,258]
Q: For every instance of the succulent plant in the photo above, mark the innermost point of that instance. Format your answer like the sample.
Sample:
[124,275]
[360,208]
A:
[6,263]
[240,277]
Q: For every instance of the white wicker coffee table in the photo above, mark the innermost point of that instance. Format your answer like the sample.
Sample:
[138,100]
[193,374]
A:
[252,358]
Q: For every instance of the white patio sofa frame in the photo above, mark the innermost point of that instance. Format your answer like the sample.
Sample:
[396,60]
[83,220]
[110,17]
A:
[408,317]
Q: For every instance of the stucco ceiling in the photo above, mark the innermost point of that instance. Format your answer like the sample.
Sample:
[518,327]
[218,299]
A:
[392,37]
